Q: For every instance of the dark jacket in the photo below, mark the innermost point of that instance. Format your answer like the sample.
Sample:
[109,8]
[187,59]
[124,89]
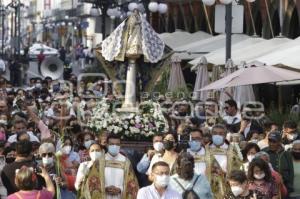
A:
[282,162]
[8,175]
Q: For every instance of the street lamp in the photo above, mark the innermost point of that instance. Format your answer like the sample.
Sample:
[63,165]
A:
[119,9]
[228,21]
[94,11]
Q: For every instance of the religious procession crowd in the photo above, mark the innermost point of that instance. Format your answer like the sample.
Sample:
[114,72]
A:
[216,156]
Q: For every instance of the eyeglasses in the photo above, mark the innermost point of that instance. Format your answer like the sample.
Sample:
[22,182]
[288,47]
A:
[47,154]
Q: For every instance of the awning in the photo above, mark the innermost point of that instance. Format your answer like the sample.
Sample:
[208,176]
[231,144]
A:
[250,52]
[206,46]
[180,38]
[287,55]
[217,57]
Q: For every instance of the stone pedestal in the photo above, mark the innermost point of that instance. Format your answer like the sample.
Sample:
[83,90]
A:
[130,92]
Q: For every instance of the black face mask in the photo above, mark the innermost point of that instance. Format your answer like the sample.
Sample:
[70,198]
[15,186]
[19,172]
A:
[168,145]
[10,160]
[296,155]
[182,114]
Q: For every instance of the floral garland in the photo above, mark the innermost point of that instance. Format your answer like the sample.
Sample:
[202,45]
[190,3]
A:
[148,121]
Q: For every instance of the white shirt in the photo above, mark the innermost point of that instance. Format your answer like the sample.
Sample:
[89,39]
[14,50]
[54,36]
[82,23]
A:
[156,158]
[200,167]
[221,159]
[114,176]
[33,138]
[81,173]
[231,119]
[150,192]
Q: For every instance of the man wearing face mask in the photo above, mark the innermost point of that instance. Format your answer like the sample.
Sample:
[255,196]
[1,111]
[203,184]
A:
[289,133]
[47,153]
[223,159]
[169,156]
[113,175]
[158,147]
[160,175]
[239,188]
[197,151]
[280,159]
[186,182]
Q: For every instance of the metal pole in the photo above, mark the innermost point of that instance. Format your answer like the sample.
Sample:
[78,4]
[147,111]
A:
[228,30]
[16,31]
[12,33]
[3,32]
[103,22]
[19,27]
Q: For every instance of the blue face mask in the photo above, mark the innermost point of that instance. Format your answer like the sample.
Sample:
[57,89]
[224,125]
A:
[195,145]
[218,140]
[113,149]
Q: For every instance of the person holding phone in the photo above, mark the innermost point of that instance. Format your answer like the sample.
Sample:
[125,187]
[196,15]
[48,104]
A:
[26,179]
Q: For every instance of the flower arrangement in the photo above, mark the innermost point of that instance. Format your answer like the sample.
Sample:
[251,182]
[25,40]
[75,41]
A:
[148,121]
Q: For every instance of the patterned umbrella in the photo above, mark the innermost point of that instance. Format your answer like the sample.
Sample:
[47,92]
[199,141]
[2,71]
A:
[132,38]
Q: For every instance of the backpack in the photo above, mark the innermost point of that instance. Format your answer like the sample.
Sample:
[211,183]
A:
[189,193]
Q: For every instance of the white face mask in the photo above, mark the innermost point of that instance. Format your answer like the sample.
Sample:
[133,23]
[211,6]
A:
[38,85]
[66,150]
[236,190]
[291,136]
[254,141]
[95,155]
[88,143]
[162,181]
[259,176]
[250,158]
[158,146]
[47,161]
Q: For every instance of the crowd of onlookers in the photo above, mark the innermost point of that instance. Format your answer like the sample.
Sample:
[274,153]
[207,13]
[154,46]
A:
[47,149]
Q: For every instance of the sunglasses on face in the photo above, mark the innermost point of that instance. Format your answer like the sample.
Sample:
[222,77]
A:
[47,154]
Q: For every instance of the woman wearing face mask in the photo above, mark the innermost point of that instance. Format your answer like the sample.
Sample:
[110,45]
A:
[87,141]
[296,164]
[239,187]
[47,153]
[169,155]
[276,175]
[248,154]
[95,153]
[186,179]
[69,162]
[261,180]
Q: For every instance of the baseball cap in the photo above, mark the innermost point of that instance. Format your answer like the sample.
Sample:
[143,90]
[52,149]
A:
[275,136]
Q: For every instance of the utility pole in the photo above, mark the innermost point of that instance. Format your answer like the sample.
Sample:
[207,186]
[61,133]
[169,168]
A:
[228,30]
